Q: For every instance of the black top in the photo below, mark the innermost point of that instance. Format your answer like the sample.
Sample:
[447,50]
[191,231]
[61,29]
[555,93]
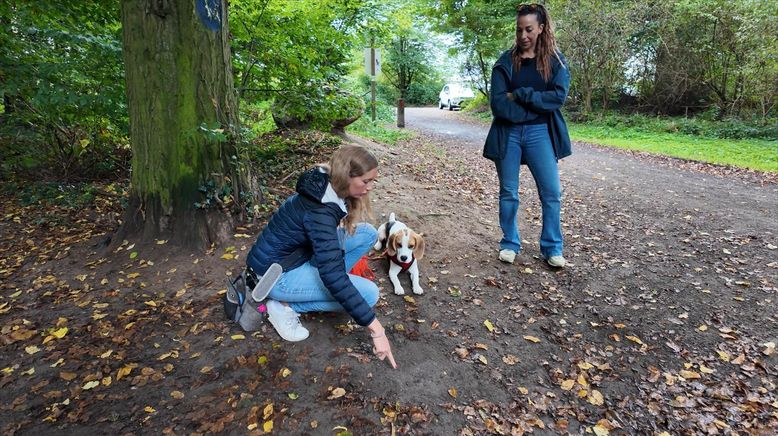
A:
[528,76]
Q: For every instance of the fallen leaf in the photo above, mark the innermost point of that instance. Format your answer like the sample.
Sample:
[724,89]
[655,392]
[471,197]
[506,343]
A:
[567,384]
[267,411]
[149,409]
[595,397]
[510,359]
[453,392]
[267,427]
[237,337]
[285,372]
[723,355]
[689,375]
[482,359]
[584,365]
[634,339]
[336,393]
[409,299]
[90,385]
[532,339]
[32,349]
[177,395]
[489,325]
[292,395]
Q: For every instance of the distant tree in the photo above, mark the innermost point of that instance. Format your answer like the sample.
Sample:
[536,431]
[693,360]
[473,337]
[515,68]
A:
[186,173]
[406,62]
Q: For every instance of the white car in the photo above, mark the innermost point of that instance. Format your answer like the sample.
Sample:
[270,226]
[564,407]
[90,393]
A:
[452,95]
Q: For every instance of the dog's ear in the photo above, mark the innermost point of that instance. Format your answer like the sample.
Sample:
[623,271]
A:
[418,246]
[391,243]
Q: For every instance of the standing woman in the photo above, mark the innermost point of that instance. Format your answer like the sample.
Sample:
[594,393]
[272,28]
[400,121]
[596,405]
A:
[529,85]
[320,235]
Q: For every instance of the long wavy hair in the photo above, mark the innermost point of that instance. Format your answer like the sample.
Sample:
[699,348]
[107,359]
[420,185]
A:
[347,162]
[545,45]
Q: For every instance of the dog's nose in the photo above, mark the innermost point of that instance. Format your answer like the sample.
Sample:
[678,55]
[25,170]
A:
[403,258]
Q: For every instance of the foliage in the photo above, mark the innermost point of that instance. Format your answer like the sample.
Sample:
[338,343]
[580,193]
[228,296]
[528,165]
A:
[693,139]
[295,54]
[61,77]
[483,29]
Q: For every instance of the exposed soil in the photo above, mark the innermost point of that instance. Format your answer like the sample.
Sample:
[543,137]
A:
[665,321]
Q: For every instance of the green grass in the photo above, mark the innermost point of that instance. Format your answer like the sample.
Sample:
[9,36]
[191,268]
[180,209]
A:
[757,154]
[380,131]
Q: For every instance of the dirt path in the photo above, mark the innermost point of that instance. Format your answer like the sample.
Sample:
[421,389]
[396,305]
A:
[665,322]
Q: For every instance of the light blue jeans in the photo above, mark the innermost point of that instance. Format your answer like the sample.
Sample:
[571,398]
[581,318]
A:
[303,289]
[533,143]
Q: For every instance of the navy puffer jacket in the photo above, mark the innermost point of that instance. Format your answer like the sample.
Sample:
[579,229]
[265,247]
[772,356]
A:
[310,219]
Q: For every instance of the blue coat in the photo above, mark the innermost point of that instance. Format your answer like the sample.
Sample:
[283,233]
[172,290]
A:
[528,104]
[310,219]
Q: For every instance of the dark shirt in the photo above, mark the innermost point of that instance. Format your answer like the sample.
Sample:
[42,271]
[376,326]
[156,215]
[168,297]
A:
[529,77]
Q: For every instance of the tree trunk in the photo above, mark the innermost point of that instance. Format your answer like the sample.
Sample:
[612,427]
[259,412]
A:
[179,81]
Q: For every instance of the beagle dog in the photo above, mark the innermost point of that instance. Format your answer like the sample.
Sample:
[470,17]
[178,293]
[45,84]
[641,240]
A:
[404,248]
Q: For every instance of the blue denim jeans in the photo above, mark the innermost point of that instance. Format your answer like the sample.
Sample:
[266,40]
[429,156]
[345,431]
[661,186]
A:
[303,289]
[533,144]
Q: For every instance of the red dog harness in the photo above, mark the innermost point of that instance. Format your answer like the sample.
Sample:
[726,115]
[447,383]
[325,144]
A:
[403,265]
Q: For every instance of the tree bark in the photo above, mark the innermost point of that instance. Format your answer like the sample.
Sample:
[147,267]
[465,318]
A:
[179,78]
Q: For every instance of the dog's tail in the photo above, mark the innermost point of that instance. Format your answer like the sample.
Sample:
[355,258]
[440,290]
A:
[391,218]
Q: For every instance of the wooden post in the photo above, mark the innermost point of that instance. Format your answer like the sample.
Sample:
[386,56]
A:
[372,79]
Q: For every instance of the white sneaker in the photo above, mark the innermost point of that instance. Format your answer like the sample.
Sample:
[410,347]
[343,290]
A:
[556,261]
[286,321]
[507,256]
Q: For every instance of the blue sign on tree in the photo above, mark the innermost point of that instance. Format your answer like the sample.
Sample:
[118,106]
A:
[210,12]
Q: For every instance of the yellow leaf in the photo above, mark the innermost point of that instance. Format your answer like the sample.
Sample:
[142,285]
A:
[286,372]
[123,372]
[568,384]
[453,392]
[133,275]
[252,426]
[262,360]
[32,349]
[337,393]
[129,325]
[237,337]
[162,242]
[634,339]
[267,427]
[489,325]
[106,354]
[723,355]
[104,281]
[149,409]
[106,381]
[705,370]
[689,374]
[60,333]
[582,393]
[59,362]
[267,411]
[90,385]
[206,369]
[30,371]
[230,256]
[151,303]
[409,299]
[702,327]
[582,381]
[177,395]
[596,398]
[532,339]
[483,360]
[15,294]
[523,390]
[584,365]
[600,430]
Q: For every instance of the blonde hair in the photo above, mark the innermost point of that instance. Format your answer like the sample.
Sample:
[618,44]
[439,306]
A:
[347,162]
[546,43]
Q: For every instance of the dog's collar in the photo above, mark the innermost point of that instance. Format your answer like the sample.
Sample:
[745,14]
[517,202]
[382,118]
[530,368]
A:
[403,265]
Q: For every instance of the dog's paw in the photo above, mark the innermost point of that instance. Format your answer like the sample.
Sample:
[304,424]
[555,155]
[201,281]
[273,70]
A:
[399,291]
[418,290]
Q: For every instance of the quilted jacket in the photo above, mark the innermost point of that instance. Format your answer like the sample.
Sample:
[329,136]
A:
[309,219]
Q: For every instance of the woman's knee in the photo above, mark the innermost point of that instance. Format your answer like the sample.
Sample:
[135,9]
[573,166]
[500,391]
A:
[367,289]
[367,233]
